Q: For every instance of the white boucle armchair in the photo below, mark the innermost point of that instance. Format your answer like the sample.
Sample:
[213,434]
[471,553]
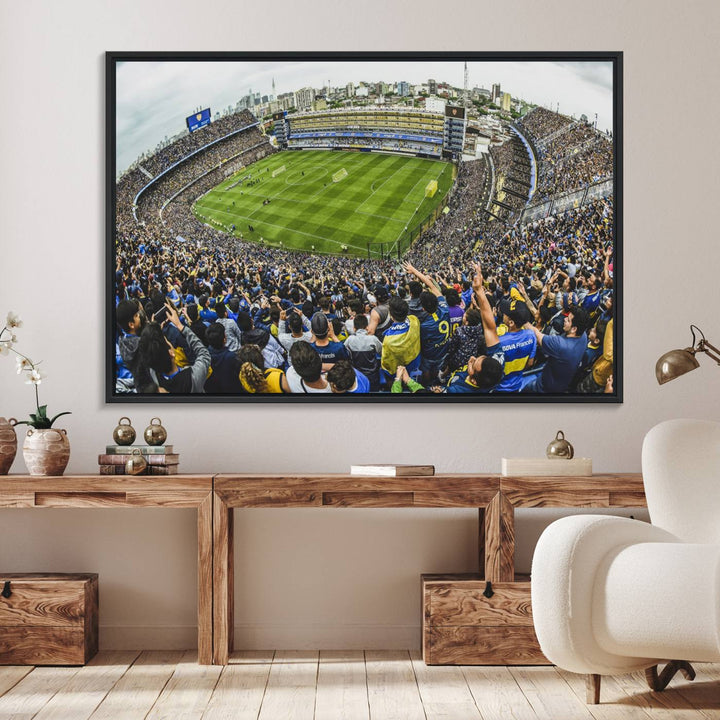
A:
[613,595]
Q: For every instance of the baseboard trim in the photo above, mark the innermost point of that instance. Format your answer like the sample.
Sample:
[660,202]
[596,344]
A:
[327,637]
[265,636]
[148,637]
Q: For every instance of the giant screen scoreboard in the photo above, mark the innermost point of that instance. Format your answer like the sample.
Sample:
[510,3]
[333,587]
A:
[198,120]
[453,131]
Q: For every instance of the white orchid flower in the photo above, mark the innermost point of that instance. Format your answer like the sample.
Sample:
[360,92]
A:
[35,377]
[28,370]
[23,364]
[13,320]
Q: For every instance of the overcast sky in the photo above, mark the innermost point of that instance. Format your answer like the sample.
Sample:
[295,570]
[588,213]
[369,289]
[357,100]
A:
[154,98]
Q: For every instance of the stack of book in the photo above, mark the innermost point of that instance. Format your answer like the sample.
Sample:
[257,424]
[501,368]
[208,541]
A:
[160,459]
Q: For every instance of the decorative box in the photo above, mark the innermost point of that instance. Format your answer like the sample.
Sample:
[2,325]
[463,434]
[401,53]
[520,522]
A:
[468,621]
[48,618]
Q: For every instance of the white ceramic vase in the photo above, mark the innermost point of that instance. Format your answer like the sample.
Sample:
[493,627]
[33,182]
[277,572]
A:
[47,451]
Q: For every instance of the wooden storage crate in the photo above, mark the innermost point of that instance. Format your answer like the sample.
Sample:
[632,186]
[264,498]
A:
[461,626]
[48,618]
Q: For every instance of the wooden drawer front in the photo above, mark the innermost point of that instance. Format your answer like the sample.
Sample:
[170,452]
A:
[463,603]
[43,602]
[42,646]
[482,646]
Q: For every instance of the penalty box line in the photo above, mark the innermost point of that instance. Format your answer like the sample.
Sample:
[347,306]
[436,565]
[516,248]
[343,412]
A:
[321,164]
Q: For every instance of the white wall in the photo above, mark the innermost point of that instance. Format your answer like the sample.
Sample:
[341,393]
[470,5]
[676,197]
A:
[330,578]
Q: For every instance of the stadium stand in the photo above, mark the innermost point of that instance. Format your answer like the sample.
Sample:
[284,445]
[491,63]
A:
[572,154]
[554,257]
[405,130]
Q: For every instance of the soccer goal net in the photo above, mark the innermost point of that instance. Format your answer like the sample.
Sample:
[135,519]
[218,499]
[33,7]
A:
[340,175]
[279,170]
[431,188]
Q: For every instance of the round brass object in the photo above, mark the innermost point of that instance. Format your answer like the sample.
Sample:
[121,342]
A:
[560,448]
[155,433]
[136,463]
[124,433]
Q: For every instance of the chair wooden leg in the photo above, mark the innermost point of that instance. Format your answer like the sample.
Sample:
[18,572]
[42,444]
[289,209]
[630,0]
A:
[592,689]
[659,682]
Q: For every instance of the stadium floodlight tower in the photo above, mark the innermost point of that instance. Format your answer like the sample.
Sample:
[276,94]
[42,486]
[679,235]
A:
[466,93]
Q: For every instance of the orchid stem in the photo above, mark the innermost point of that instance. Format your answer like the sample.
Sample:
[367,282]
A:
[30,363]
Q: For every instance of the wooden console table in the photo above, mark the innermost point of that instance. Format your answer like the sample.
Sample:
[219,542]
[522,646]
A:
[215,498]
[111,491]
[495,497]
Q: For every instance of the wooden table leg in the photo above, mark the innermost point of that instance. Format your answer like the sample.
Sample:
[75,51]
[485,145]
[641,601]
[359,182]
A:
[223,581]
[205,580]
[500,540]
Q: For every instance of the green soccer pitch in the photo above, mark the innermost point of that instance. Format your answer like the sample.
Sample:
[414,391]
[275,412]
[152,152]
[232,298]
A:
[381,199]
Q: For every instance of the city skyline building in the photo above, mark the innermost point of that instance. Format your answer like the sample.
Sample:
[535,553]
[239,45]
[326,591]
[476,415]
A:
[143,117]
[304,98]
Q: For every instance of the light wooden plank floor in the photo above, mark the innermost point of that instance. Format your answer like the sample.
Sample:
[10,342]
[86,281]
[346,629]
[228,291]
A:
[346,685]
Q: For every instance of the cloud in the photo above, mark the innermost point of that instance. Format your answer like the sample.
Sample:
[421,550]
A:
[153,98]
[596,73]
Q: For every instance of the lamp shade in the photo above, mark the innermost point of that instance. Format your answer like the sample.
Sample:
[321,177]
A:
[675,363]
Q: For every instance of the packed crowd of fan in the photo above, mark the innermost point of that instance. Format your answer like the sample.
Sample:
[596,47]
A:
[571,154]
[200,311]
[194,141]
[586,163]
[427,327]
[540,123]
[195,168]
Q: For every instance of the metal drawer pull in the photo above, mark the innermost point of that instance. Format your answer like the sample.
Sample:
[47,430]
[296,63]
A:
[488,592]
[6,592]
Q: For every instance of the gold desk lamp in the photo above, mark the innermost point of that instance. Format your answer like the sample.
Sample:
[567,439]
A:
[677,362]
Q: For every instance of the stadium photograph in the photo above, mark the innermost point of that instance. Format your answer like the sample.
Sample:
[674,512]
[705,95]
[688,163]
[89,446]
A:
[353,227]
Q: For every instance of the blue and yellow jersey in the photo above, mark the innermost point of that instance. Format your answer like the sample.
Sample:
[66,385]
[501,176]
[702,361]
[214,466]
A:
[435,332]
[518,348]
[592,301]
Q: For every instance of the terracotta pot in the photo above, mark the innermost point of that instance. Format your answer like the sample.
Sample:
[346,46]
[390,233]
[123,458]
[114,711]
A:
[8,444]
[46,452]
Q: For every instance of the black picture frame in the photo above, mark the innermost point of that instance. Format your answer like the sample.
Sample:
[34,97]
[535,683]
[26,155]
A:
[112,61]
